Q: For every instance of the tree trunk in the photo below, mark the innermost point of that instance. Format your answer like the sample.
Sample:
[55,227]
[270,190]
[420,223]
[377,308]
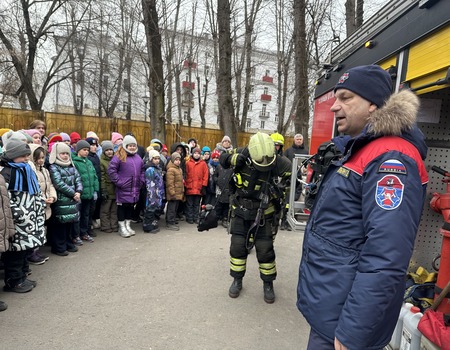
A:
[301,121]
[155,62]
[354,13]
[227,120]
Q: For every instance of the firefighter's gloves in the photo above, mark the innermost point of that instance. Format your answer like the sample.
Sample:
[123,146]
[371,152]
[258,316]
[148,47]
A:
[238,160]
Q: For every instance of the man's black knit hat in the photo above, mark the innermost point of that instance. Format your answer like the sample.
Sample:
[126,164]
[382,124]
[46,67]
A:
[371,82]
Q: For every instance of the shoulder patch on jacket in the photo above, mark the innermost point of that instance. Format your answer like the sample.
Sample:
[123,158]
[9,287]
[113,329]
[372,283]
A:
[343,171]
[389,192]
[392,166]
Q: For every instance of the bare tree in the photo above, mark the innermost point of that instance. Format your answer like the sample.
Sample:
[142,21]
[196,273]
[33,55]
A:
[170,48]
[188,97]
[285,51]
[203,88]
[227,119]
[155,64]
[26,39]
[251,11]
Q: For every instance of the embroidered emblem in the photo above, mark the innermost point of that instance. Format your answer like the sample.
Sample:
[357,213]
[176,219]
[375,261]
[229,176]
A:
[389,192]
[344,172]
[392,166]
[343,78]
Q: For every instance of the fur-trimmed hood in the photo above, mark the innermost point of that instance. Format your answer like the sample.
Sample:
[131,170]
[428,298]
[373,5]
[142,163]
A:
[399,114]
[396,118]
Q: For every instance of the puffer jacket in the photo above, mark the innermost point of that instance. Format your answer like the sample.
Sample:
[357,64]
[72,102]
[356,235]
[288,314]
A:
[197,176]
[28,212]
[88,176]
[67,181]
[6,220]
[361,231]
[106,185]
[174,182]
[128,177]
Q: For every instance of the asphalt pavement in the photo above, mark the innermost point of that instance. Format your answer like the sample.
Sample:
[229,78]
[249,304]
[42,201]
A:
[156,292]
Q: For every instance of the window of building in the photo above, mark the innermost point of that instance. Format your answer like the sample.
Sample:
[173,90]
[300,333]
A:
[267,72]
[250,106]
[266,90]
[276,117]
[252,88]
[207,70]
[262,124]
[264,109]
[124,106]
[185,115]
[249,123]
[204,90]
[187,78]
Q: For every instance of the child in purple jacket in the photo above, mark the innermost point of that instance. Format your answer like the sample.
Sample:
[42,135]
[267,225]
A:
[126,171]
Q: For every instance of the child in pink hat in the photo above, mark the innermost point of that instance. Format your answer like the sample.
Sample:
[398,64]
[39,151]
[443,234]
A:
[117,140]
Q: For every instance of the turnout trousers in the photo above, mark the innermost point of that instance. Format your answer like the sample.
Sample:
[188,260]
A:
[263,241]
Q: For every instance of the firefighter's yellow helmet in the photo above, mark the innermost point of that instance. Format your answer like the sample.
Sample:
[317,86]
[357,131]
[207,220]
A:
[262,151]
[277,138]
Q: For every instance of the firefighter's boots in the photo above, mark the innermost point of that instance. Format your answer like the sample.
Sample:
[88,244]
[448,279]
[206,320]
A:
[235,288]
[269,293]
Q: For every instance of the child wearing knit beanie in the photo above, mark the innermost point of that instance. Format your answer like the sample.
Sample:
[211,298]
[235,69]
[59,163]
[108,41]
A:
[91,188]
[126,171]
[108,206]
[174,190]
[35,135]
[28,206]
[117,140]
[197,176]
[68,185]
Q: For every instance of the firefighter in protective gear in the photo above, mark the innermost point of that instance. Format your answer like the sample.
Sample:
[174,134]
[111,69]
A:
[278,140]
[260,183]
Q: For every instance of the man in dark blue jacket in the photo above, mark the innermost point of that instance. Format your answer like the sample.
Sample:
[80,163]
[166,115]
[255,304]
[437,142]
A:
[361,232]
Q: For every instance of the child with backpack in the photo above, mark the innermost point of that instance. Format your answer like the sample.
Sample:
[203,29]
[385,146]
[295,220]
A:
[155,193]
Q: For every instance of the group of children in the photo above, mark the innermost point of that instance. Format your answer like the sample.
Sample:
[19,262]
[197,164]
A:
[60,187]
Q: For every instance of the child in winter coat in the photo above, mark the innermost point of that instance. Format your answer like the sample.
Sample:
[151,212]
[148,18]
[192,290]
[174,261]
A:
[197,175]
[38,155]
[174,190]
[126,171]
[95,205]
[6,224]
[68,185]
[91,187]
[155,193]
[108,209]
[208,198]
[28,212]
